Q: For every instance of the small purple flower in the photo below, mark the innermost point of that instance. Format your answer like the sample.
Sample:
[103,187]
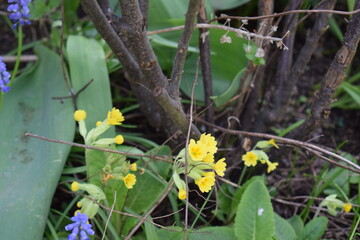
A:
[19,12]
[80,224]
[4,77]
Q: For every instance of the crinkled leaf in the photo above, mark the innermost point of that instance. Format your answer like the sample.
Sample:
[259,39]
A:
[315,228]
[283,230]
[255,216]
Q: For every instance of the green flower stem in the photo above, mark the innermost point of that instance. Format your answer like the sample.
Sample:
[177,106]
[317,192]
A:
[202,207]
[19,51]
[242,175]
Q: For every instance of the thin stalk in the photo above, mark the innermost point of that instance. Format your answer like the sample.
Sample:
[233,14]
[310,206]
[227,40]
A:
[18,55]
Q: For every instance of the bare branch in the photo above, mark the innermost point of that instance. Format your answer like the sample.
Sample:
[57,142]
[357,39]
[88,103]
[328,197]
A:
[287,13]
[331,81]
[204,46]
[179,61]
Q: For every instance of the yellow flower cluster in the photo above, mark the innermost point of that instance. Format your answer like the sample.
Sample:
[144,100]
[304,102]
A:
[252,157]
[201,166]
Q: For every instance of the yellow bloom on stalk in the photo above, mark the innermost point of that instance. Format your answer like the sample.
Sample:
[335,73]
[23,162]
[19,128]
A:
[197,151]
[129,180]
[272,142]
[209,142]
[75,186]
[271,166]
[250,159]
[205,183]
[119,139]
[79,115]
[220,167]
[347,207]
[98,123]
[209,158]
[182,194]
[115,117]
[133,167]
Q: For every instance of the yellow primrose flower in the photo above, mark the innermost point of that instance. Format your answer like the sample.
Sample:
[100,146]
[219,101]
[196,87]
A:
[220,167]
[129,180]
[347,207]
[133,167]
[250,159]
[79,115]
[182,194]
[272,142]
[205,183]
[271,166]
[98,123]
[209,158]
[209,142]
[119,139]
[197,151]
[75,186]
[115,117]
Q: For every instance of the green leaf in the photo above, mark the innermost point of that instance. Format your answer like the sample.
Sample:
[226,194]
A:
[227,4]
[239,193]
[170,235]
[231,91]
[283,229]
[283,132]
[30,168]
[150,230]
[214,233]
[353,91]
[315,228]
[297,224]
[87,61]
[160,167]
[226,65]
[255,216]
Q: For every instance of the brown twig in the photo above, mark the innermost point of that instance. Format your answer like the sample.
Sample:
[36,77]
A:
[204,46]
[97,148]
[179,60]
[292,142]
[332,79]
[287,13]
[142,219]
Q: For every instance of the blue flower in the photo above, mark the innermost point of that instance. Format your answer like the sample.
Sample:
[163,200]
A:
[80,224]
[19,12]
[4,77]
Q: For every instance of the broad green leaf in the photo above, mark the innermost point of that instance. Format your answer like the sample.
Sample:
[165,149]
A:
[297,224]
[146,190]
[255,216]
[283,230]
[160,167]
[170,235]
[226,62]
[315,228]
[340,184]
[225,200]
[239,193]
[87,61]
[227,4]
[150,230]
[214,233]
[30,168]
[231,91]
